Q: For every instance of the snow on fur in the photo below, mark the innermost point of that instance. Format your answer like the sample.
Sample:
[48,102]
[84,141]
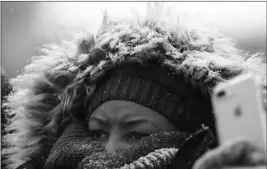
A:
[203,56]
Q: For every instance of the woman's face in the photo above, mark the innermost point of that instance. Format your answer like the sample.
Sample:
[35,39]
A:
[118,124]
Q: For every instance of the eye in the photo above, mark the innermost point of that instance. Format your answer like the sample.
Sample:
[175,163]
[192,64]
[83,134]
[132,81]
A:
[137,135]
[97,134]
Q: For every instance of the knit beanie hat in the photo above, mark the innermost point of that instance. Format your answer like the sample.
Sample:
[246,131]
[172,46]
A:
[155,88]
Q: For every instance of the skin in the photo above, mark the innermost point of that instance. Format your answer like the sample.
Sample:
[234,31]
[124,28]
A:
[119,124]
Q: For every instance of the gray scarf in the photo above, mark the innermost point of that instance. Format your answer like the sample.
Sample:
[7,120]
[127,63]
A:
[76,149]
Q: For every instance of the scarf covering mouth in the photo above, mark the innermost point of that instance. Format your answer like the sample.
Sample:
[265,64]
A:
[76,149]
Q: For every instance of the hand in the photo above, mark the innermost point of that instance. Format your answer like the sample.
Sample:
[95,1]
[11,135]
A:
[238,153]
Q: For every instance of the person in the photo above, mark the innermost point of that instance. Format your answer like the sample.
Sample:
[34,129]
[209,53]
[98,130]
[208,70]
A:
[137,95]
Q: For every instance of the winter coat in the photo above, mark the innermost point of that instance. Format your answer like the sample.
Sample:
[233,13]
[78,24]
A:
[39,102]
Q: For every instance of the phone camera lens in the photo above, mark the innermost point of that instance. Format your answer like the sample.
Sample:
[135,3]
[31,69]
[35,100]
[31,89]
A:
[221,93]
[238,112]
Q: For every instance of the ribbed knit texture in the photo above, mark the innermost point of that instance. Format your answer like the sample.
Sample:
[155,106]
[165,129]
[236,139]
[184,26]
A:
[143,91]
[72,147]
[179,109]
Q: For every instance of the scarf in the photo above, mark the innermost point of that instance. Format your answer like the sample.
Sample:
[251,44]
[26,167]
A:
[76,149]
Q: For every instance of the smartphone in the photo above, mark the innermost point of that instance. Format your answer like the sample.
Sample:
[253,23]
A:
[238,108]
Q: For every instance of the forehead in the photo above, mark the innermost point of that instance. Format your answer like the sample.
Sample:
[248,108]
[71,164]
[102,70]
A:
[120,111]
[123,109]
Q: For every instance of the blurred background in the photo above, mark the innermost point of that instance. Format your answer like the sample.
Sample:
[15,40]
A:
[28,25]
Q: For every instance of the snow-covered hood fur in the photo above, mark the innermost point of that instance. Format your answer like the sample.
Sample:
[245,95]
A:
[203,56]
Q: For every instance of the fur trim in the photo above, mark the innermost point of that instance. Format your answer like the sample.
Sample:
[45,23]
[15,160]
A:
[202,56]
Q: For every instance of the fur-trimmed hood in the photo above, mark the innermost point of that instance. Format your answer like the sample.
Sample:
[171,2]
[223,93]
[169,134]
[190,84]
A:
[204,57]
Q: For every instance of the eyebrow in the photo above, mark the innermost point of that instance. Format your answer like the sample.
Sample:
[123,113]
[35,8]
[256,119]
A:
[102,121]
[134,122]
[128,123]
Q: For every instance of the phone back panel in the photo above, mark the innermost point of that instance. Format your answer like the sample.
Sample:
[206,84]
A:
[239,110]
